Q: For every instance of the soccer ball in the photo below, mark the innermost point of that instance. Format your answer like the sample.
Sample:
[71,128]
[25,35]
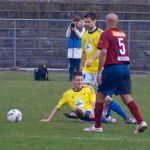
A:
[14,115]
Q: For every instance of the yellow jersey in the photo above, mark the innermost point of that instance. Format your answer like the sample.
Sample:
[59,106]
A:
[89,45]
[83,99]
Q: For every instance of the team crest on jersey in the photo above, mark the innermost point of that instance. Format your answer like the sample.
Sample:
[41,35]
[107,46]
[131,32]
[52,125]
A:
[88,47]
[80,103]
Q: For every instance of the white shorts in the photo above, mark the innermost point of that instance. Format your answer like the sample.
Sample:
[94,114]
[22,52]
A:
[89,78]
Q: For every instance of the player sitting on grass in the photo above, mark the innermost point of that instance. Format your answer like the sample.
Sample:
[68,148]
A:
[81,99]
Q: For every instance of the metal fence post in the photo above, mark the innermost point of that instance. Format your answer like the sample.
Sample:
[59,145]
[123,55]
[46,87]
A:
[14,41]
[129,34]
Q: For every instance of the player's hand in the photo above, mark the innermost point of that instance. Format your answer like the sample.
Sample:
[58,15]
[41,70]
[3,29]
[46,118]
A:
[74,29]
[44,120]
[99,78]
[92,115]
[81,68]
[89,63]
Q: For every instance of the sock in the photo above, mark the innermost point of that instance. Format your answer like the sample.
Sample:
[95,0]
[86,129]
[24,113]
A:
[118,109]
[98,110]
[108,112]
[104,120]
[135,111]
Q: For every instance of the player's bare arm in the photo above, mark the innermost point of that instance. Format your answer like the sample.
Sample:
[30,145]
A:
[89,62]
[92,115]
[83,58]
[102,58]
[51,116]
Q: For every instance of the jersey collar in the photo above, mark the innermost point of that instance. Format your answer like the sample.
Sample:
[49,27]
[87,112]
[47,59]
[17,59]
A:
[92,31]
[78,90]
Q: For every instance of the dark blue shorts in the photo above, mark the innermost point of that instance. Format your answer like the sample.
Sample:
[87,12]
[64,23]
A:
[115,80]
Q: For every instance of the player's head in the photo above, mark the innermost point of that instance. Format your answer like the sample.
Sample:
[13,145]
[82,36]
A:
[77,80]
[111,20]
[90,21]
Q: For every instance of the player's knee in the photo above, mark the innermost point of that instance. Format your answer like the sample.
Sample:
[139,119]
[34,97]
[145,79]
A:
[108,99]
[79,113]
[100,97]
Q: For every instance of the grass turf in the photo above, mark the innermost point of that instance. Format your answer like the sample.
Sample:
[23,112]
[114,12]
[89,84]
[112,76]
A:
[36,99]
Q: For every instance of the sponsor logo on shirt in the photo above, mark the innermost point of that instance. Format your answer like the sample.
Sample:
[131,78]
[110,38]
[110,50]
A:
[118,34]
[88,47]
[80,103]
[123,58]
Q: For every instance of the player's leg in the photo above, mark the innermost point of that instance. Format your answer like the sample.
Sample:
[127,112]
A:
[98,110]
[125,93]
[83,116]
[77,64]
[105,88]
[71,68]
[87,118]
[134,109]
[79,114]
[116,107]
[128,100]
[113,105]
[71,114]
[99,107]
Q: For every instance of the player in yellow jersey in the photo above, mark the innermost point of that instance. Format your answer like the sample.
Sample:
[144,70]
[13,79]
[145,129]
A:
[81,99]
[89,47]
[90,40]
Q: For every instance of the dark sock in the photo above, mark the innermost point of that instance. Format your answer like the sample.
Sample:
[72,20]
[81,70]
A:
[135,111]
[98,114]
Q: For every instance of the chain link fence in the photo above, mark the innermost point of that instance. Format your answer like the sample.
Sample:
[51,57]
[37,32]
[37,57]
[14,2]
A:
[26,43]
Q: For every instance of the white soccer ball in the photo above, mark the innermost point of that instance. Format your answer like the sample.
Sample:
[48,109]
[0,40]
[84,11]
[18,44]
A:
[14,115]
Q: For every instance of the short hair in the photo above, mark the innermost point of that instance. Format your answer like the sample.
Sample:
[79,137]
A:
[91,15]
[77,73]
[76,19]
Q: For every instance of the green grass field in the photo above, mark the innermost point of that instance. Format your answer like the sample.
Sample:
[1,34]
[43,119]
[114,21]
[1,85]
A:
[36,99]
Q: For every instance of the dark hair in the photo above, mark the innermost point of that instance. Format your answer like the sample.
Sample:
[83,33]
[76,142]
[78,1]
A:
[76,19]
[91,15]
[77,73]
